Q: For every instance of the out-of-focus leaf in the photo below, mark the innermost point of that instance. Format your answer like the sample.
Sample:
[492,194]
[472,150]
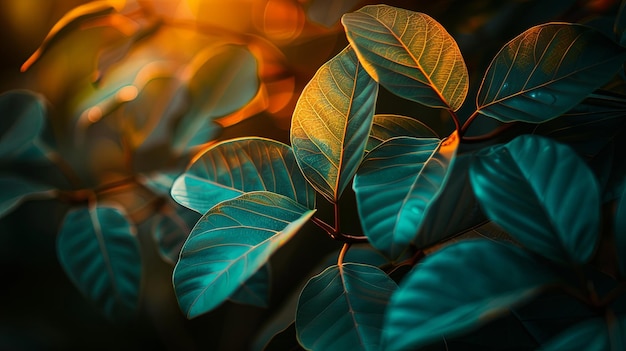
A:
[546,71]
[23,119]
[396,185]
[15,190]
[285,340]
[229,244]
[536,189]
[410,54]
[389,126]
[332,122]
[458,289]
[221,79]
[256,290]
[343,308]
[237,166]
[98,250]
[67,23]
[620,232]
[592,335]
[171,229]
[620,24]
[328,12]
[159,182]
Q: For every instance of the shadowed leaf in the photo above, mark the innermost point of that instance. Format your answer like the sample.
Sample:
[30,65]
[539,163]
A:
[23,119]
[256,290]
[592,335]
[16,190]
[171,229]
[620,232]
[389,126]
[331,123]
[410,54]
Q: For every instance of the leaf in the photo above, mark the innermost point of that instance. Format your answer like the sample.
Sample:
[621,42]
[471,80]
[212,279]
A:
[536,190]
[237,166]
[285,340]
[343,307]
[620,232]
[592,335]
[23,119]
[256,290]
[620,24]
[171,229]
[396,185]
[387,126]
[67,23]
[98,250]
[331,123]
[16,190]
[459,288]
[221,79]
[410,54]
[328,12]
[229,244]
[546,71]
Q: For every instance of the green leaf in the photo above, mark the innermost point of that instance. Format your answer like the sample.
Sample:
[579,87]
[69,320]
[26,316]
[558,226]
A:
[620,232]
[387,126]
[171,229]
[23,119]
[343,308]
[256,290]
[546,71]
[536,190]
[331,123]
[459,288]
[395,186]
[99,251]
[237,166]
[620,24]
[16,190]
[229,244]
[410,54]
[221,79]
[592,335]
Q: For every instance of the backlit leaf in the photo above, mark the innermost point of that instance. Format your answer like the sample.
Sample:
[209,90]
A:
[237,166]
[536,189]
[459,288]
[229,244]
[16,190]
[343,308]
[410,54]
[396,185]
[98,250]
[592,335]
[256,290]
[23,119]
[331,123]
[546,71]
[620,232]
[388,126]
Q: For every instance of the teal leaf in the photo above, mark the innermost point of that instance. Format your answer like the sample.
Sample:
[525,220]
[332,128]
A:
[396,185]
[171,229]
[23,119]
[99,251]
[387,126]
[256,290]
[410,54]
[620,232]
[536,189]
[159,182]
[459,288]
[16,190]
[592,335]
[547,70]
[343,308]
[331,123]
[237,166]
[229,244]
[620,25]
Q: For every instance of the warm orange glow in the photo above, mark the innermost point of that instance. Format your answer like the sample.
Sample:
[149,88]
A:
[282,20]
[94,114]
[127,93]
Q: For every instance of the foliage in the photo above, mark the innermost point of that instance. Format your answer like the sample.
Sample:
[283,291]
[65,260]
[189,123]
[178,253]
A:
[457,229]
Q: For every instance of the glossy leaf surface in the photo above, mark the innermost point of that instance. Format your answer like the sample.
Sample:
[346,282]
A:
[343,308]
[536,190]
[458,289]
[387,126]
[23,120]
[620,232]
[16,190]
[410,54]
[98,250]
[592,335]
[331,123]
[256,290]
[237,166]
[396,185]
[229,244]
[546,71]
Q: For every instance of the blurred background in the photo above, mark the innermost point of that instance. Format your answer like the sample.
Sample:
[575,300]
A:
[112,86]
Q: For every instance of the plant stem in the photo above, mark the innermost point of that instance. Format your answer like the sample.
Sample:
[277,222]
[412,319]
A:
[467,124]
[342,253]
[64,167]
[325,227]
[455,118]
[487,136]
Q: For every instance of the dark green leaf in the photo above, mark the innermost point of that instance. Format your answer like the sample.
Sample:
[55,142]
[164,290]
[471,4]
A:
[458,289]
[343,307]
[23,119]
[256,290]
[396,185]
[171,229]
[98,250]
[536,189]
[331,123]
[410,54]
[386,127]
[546,71]
[15,190]
[592,335]
[620,24]
[229,244]
[285,340]
[620,232]
[237,166]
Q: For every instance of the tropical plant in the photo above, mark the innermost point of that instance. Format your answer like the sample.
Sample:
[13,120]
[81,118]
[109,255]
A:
[526,220]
